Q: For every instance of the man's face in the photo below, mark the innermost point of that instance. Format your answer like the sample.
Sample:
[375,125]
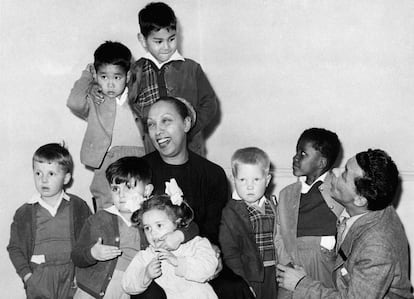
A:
[343,188]
[161,44]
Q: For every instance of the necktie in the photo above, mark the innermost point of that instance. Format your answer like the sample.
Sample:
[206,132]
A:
[340,235]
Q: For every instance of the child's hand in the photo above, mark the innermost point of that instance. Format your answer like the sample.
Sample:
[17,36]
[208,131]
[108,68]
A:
[153,270]
[95,92]
[165,255]
[171,241]
[102,252]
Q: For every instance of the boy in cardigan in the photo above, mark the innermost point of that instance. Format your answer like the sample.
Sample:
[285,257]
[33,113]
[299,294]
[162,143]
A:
[308,214]
[108,242]
[113,131]
[248,223]
[44,229]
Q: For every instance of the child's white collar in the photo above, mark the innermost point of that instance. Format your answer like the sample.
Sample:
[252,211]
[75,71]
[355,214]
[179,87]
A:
[113,210]
[306,187]
[175,56]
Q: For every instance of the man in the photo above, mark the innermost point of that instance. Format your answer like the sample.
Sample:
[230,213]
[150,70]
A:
[372,259]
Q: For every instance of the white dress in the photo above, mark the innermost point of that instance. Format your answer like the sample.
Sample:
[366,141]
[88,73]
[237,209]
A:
[197,262]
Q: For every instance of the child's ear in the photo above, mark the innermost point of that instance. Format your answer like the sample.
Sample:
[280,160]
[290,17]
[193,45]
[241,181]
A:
[128,76]
[323,163]
[268,179]
[67,178]
[148,190]
[142,40]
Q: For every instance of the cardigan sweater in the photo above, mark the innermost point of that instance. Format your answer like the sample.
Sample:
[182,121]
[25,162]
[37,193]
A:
[23,231]
[93,276]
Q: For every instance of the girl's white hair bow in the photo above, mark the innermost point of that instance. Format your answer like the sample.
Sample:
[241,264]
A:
[175,192]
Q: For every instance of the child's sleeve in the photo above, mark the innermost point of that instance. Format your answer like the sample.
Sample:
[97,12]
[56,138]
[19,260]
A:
[282,256]
[206,102]
[229,246]
[16,253]
[201,264]
[133,278]
[78,97]
[81,254]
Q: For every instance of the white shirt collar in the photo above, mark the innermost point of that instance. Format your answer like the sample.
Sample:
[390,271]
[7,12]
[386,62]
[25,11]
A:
[122,98]
[113,210]
[306,187]
[349,222]
[36,198]
[258,204]
[175,56]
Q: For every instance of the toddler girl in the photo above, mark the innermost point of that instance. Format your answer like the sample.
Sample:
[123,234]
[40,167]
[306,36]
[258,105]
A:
[182,273]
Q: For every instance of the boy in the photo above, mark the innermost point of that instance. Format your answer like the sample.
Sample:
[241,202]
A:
[164,71]
[308,214]
[112,131]
[45,228]
[248,223]
[108,242]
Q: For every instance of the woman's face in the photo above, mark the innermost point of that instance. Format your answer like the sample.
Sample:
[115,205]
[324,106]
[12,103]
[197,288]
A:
[168,132]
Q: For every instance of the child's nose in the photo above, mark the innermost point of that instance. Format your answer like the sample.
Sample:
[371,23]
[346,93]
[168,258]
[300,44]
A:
[44,179]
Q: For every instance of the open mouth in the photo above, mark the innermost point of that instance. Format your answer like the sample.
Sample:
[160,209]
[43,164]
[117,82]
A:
[162,142]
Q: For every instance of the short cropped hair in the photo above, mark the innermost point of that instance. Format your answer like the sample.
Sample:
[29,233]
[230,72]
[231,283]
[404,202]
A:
[252,156]
[380,180]
[156,16]
[54,152]
[127,168]
[112,53]
[324,141]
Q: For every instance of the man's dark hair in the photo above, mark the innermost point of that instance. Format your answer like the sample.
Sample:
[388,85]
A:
[112,53]
[380,180]
[156,16]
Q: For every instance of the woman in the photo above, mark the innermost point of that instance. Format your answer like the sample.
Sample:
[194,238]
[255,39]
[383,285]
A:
[203,183]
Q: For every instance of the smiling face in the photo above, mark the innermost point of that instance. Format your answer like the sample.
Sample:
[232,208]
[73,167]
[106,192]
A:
[343,188]
[251,182]
[156,224]
[49,179]
[307,161]
[112,79]
[168,132]
[161,44]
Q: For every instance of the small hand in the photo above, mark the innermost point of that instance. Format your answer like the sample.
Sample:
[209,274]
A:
[171,241]
[288,277]
[165,255]
[220,262]
[153,269]
[102,252]
[95,92]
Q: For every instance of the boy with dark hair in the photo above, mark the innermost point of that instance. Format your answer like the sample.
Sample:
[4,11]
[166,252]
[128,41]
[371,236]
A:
[307,213]
[108,241]
[45,229]
[248,223]
[113,131]
[163,71]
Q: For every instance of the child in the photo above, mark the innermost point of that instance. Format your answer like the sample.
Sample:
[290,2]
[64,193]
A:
[307,213]
[112,132]
[183,272]
[108,242]
[248,223]
[164,71]
[45,228]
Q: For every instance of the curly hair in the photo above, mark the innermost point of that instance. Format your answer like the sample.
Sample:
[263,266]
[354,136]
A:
[162,202]
[380,180]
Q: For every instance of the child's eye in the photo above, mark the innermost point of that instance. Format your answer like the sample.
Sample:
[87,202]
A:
[172,39]
[159,225]
[115,188]
[146,228]
[302,153]
[37,173]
